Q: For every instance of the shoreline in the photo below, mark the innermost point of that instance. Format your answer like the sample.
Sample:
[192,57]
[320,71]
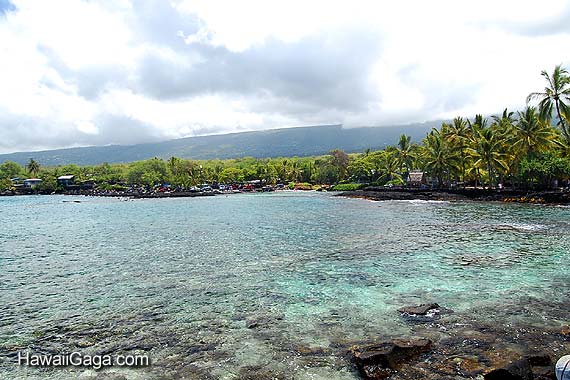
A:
[547,197]
[552,197]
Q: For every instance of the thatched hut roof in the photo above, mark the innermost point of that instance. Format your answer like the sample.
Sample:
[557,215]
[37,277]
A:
[416,176]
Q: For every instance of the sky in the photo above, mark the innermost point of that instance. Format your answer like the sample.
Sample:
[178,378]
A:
[79,73]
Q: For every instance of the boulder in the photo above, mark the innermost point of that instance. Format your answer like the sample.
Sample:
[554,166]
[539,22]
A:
[518,370]
[539,360]
[378,361]
[544,373]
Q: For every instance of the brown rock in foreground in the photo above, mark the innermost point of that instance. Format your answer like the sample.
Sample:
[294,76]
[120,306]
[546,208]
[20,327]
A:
[528,368]
[380,360]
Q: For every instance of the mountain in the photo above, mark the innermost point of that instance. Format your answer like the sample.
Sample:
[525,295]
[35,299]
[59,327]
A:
[301,141]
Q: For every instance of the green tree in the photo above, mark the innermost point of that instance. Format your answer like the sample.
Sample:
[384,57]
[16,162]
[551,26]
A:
[541,169]
[149,173]
[554,98]
[340,160]
[5,184]
[231,175]
[404,154]
[458,137]
[389,170]
[439,159]
[10,169]
[488,154]
[325,172]
[360,170]
[33,167]
[530,134]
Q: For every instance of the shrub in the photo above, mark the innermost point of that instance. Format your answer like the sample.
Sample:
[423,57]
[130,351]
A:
[348,186]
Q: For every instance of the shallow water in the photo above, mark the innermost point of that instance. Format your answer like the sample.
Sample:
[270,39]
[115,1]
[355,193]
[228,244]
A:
[182,279]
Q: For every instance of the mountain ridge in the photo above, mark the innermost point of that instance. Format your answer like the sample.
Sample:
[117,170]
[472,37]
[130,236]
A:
[281,142]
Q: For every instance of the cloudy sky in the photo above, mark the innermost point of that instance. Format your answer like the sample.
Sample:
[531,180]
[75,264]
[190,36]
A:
[75,73]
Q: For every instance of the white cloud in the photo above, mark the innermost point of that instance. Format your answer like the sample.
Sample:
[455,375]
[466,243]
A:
[81,72]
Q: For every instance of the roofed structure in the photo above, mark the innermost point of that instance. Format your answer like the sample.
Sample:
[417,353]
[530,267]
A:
[416,178]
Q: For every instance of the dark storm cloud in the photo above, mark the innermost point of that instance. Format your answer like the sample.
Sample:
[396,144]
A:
[312,70]
[115,129]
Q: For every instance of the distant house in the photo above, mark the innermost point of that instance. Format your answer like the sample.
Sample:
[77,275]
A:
[31,183]
[66,180]
[416,178]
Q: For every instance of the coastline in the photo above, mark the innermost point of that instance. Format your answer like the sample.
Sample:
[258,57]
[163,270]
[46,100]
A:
[554,197]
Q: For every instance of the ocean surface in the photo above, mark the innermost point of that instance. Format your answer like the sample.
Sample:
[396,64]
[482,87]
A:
[262,285]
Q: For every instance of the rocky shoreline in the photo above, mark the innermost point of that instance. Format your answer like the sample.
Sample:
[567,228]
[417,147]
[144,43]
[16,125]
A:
[447,349]
[515,196]
[441,345]
[123,194]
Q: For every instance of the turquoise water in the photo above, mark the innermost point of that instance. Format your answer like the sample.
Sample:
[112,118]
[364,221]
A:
[182,279]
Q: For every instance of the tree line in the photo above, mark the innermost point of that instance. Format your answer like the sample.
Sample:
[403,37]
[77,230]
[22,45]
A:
[527,148]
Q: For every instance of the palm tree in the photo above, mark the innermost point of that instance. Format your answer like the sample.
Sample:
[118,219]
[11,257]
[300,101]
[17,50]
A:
[458,135]
[404,153]
[389,168]
[554,98]
[295,171]
[566,144]
[439,159]
[487,152]
[503,124]
[478,123]
[531,134]
[33,167]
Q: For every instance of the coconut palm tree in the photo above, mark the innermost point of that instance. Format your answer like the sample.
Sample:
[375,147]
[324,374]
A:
[458,136]
[295,171]
[404,153]
[488,153]
[438,157]
[478,123]
[33,167]
[531,134]
[390,168]
[503,124]
[565,148]
[555,97]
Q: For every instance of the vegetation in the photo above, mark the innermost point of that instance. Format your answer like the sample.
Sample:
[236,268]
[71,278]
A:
[348,186]
[529,148]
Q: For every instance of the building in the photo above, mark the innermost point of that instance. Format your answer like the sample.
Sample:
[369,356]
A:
[66,180]
[31,183]
[416,178]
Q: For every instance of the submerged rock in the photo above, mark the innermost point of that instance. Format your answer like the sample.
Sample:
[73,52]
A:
[529,368]
[422,309]
[379,361]
[424,313]
[262,321]
[519,370]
